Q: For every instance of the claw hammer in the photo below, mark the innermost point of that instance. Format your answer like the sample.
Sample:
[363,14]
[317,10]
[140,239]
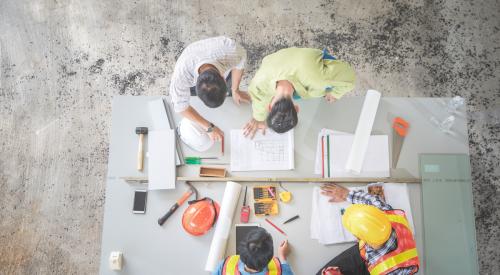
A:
[179,202]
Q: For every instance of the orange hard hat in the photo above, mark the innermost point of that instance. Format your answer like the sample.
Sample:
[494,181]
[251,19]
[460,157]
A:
[200,216]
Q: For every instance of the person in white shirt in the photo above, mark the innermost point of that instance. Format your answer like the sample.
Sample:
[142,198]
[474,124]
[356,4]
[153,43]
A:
[202,69]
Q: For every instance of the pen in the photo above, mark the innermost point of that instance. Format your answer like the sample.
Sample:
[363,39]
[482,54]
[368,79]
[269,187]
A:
[328,152]
[277,228]
[323,156]
[222,145]
[291,219]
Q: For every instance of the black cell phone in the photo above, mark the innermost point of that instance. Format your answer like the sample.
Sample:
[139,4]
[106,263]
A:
[140,197]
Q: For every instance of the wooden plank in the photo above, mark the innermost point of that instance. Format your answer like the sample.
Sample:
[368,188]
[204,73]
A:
[284,179]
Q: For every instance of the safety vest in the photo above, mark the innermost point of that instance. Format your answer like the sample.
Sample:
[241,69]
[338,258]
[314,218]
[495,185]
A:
[231,266]
[405,254]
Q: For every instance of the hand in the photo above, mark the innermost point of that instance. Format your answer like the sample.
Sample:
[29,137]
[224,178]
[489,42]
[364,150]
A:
[336,192]
[241,97]
[216,134]
[330,98]
[252,126]
[331,270]
[283,250]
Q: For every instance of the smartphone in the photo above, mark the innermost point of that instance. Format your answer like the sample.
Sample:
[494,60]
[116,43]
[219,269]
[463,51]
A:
[140,197]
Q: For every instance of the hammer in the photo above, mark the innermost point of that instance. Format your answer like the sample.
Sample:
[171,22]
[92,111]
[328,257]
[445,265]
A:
[141,131]
[179,202]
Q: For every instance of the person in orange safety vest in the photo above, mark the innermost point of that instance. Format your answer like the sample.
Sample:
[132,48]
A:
[256,257]
[386,243]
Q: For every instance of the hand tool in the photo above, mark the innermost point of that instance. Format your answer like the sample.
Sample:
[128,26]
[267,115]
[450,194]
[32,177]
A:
[271,192]
[285,196]
[264,192]
[266,208]
[179,202]
[277,228]
[400,130]
[198,160]
[245,209]
[291,219]
[141,131]
[328,153]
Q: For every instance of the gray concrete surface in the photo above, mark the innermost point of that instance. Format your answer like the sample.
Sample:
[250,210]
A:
[62,61]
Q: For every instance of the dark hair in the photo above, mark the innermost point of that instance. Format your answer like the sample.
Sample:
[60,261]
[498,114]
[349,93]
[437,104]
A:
[283,116]
[211,88]
[256,251]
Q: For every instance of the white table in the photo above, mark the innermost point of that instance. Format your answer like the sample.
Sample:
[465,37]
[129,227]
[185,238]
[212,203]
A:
[151,249]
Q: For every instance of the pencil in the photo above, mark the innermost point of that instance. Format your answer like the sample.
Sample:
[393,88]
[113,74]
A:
[291,219]
[328,152]
[323,156]
[222,145]
[277,228]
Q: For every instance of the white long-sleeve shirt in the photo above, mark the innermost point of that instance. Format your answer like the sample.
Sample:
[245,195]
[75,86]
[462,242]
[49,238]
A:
[222,52]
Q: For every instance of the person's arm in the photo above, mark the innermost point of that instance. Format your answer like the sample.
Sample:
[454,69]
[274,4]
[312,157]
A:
[191,114]
[339,193]
[360,197]
[286,269]
[283,252]
[259,110]
[238,96]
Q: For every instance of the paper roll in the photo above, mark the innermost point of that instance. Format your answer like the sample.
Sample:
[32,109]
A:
[363,131]
[223,226]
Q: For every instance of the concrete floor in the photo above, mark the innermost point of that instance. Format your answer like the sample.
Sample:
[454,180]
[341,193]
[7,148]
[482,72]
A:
[61,62]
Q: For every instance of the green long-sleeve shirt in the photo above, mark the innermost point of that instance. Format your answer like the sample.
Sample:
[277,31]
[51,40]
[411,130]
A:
[310,75]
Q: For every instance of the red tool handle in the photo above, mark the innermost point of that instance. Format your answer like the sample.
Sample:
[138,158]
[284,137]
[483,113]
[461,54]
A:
[184,197]
[400,126]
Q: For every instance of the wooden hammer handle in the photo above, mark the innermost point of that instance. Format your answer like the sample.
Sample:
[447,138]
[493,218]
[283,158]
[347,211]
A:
[140,153]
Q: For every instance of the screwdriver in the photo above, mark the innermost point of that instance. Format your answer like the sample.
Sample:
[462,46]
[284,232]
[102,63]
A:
[198,160]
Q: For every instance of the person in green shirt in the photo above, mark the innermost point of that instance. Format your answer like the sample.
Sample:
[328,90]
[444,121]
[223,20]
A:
[289,74]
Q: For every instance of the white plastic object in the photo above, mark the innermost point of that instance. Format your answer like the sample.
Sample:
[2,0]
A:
[116,260]
[455,103]
[357,154]
[194,136]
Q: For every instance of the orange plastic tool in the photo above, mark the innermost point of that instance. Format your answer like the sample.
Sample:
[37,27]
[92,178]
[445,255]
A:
[400,130]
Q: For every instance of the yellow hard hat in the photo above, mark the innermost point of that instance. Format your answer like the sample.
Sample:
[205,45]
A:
[367,223]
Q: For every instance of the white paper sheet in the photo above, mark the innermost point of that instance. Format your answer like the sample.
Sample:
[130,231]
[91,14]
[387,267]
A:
[375,164]
[363,130]
[161,159]
[322,133]
[223,226]
[376,159]
[267,152]
[159,116]
[326,218]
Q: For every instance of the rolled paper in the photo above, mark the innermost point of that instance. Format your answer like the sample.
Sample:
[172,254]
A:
[363,131]
[223,226]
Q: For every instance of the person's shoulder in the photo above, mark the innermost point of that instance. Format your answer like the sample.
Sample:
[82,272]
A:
[218,270]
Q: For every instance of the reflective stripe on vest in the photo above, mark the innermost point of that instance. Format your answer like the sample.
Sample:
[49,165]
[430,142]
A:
[274,267]
[231,266]
[394,261]
[405,254]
